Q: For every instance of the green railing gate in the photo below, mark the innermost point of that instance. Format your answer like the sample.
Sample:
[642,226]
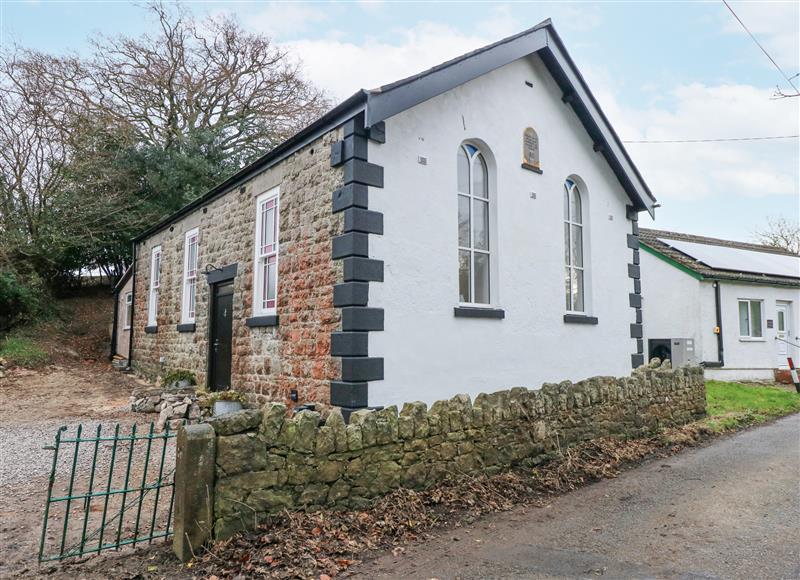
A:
[107,491]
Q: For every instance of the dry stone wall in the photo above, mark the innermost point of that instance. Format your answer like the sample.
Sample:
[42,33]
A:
[267,361]
[266,462]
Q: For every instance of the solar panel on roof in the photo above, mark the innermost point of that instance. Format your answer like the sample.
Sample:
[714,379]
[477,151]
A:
[726,258]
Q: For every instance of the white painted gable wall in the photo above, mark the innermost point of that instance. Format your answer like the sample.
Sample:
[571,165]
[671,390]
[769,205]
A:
[429,354]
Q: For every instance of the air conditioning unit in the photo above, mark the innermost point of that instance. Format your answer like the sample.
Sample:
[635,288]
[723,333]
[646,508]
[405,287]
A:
[678,350]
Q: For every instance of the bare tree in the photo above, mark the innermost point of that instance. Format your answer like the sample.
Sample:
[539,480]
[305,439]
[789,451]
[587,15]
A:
[780,233]
[190,76]
[32,159]
[94,149]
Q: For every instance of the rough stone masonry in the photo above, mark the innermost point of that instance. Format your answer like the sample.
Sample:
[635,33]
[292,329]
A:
[266,462]
[268,361]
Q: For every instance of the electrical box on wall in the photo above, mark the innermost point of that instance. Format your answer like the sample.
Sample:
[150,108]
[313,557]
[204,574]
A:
[680,351]
[683,352]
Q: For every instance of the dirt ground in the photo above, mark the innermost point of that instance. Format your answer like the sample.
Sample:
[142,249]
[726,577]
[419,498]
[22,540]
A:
[33,405]
[78,387]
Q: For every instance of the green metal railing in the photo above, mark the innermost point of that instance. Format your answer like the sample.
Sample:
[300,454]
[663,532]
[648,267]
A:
[125,496]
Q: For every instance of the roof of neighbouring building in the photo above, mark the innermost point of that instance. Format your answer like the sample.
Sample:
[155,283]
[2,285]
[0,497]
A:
[718,259]
[123,279]
[381,103]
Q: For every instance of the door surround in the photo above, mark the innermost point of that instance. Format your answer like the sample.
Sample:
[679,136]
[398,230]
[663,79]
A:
[783,349]
[215,277]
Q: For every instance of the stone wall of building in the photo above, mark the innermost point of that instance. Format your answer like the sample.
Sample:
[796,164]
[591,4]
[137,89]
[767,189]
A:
[267,462]
[267,361]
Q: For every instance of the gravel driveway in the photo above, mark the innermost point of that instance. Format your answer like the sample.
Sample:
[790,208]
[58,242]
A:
[728,510]
[33,406]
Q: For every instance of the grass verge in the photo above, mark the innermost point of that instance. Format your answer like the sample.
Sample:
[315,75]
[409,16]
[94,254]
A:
[735,405]
[22,351]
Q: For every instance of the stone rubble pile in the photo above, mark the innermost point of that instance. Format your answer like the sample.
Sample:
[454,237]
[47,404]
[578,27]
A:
[172,405]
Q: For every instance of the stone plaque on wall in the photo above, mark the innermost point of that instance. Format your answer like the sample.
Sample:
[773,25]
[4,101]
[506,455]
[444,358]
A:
[530,150]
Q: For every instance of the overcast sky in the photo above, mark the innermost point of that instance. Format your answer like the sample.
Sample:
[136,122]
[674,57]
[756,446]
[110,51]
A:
[660,71]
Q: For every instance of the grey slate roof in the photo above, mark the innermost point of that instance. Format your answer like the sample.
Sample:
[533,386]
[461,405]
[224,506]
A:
[383,102]
[652,239]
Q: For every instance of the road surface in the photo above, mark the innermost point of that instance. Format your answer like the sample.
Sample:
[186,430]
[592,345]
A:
[728,510]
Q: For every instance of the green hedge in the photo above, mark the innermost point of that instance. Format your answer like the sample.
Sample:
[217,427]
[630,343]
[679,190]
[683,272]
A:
[21,301]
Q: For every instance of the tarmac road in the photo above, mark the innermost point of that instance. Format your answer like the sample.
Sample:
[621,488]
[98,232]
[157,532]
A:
[728,510]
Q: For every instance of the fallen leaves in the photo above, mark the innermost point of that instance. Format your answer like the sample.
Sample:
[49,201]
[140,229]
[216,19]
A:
[324,544]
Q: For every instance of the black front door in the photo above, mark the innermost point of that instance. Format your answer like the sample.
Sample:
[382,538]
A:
[219,376]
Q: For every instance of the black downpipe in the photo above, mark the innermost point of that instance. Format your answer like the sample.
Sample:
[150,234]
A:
[133,304]
[114,327]
[720,362]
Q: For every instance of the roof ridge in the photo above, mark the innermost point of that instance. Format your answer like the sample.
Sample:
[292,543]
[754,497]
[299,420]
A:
[710,241]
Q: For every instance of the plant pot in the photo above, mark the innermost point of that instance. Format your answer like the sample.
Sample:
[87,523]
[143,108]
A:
[225,407]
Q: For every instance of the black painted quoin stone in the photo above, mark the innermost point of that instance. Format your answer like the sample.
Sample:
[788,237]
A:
[635,298]
[351,344]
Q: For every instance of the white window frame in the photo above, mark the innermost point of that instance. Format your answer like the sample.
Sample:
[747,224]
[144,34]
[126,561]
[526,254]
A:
[127,317]
[260,254]
[569,259]
[472,160]
[155,284]
[189,299]
[750,336]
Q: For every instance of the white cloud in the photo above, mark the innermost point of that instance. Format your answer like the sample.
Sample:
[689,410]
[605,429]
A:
[376,61]
[696,170]
[775,25]
[282,20]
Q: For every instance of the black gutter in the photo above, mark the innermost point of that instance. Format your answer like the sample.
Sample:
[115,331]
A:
[328,121]
[720,347]
[133,306]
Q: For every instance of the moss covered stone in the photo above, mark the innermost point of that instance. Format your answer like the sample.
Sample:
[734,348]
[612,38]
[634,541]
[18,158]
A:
[297,463]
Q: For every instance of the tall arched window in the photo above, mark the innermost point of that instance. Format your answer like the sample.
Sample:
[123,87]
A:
[473,226]
[574,273]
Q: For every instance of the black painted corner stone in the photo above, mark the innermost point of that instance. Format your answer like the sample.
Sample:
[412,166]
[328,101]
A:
[258,321]
[344,394]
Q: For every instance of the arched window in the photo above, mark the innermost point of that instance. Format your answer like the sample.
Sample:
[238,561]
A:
[473,226]
[574,270]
